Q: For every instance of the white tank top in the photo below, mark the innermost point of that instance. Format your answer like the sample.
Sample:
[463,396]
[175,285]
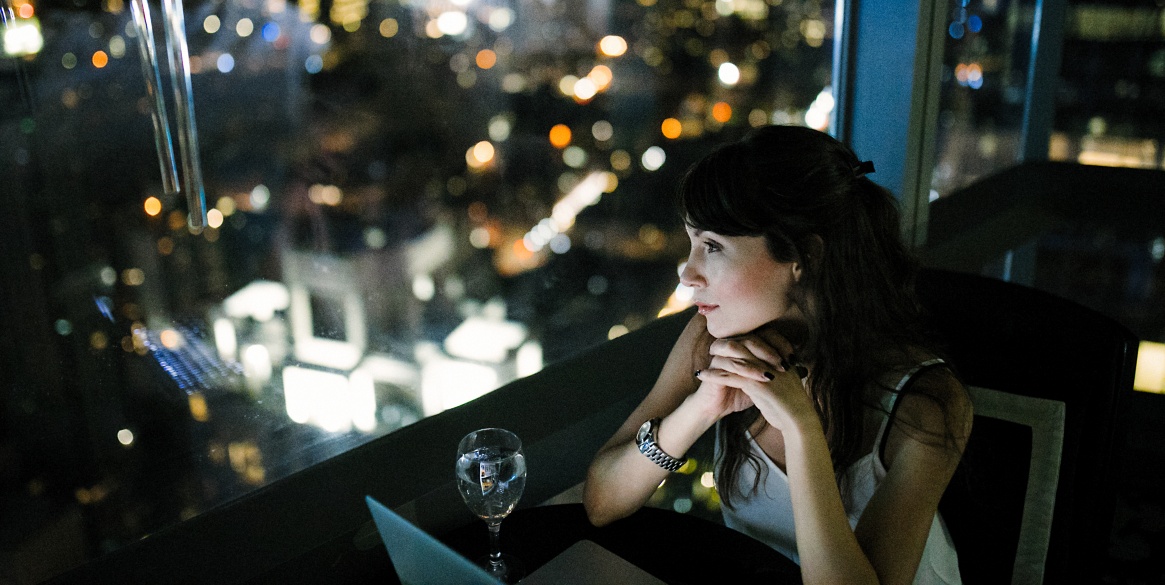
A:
[767,514]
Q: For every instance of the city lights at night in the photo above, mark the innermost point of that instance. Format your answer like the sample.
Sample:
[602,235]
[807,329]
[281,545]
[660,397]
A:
[412,204]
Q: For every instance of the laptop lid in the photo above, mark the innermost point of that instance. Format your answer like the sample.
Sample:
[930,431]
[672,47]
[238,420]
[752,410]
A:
[420,559]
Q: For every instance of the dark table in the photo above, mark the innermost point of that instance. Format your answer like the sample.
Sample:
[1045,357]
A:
[676,548]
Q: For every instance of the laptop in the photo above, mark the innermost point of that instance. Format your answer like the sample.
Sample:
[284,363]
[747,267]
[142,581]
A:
[420,559]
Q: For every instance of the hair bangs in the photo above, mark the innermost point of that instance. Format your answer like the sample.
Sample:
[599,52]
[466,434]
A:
[714,196]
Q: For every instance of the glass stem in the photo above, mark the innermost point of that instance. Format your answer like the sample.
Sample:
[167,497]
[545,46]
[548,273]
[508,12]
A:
[495,547]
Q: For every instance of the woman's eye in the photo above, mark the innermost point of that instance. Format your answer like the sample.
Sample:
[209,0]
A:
[710,246]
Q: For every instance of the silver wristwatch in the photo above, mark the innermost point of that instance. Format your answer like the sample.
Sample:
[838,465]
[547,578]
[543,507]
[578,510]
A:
[645,439]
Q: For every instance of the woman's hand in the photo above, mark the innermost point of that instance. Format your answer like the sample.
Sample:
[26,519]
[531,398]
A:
[716,399]
[757,369]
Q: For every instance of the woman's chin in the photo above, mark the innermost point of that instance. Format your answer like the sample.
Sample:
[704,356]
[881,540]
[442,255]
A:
[722,332]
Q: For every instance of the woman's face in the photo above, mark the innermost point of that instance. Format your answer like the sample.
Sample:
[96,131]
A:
[738,285]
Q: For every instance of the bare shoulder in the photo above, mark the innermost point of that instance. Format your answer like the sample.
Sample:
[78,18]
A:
[936,406]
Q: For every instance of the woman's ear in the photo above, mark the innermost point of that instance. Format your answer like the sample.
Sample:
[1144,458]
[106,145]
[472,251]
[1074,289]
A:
[814,253]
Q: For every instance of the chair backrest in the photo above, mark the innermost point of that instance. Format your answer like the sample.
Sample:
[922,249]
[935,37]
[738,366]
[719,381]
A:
[1033,499]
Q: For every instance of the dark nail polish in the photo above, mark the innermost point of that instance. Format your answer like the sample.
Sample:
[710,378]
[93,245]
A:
[802,371]
[696,374]
[769,376]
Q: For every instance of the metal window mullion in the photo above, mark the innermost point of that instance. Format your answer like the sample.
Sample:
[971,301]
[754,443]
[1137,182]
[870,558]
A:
[922,135]
[1043,73]
[844,44]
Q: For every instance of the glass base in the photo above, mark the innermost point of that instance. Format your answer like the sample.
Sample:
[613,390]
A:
[510,572]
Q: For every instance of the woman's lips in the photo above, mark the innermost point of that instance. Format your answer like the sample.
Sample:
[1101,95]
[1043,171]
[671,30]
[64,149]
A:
[705,309]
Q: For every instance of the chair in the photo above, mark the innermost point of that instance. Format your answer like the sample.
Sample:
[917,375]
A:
[1033,499]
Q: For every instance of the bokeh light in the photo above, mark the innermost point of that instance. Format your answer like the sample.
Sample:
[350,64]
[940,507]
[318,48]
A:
[214,218]
[671,128]
[499,128]
[722,112]
[245,27]
[601,76]
[653,158]
[117,47]
[602,130]
[480,154]
[325,194]
[170,339]
[226,205]
[728,73]
[320,34]
[584,90]
[389,27]
[270,32]
[500,19]
[452,23]
[225,63]
[486,58]
[620,160]
[313,64]
[153,206]
[574,157]
[560,136]
[612,46]
[566,85]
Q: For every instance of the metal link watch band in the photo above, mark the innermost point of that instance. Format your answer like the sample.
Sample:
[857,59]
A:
[647,445]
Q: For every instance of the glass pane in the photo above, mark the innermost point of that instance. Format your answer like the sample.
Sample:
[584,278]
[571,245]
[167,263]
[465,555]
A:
[412,203]
[984,79]
[1109,110]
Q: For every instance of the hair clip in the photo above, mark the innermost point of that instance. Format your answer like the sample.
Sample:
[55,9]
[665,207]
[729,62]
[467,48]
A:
[864,168]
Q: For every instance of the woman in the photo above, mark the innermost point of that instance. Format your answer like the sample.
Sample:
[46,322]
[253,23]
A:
[838,428]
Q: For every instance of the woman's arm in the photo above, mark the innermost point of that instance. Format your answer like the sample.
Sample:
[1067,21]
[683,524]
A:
[621,479]
[923,448]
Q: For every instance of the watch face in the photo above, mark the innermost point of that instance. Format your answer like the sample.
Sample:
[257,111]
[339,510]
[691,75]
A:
[644,429]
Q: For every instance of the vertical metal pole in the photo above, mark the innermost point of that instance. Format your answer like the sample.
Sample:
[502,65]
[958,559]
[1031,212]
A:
[179,56]
[844,18]
[153,77]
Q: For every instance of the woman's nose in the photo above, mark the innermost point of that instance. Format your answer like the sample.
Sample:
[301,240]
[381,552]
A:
[690,275]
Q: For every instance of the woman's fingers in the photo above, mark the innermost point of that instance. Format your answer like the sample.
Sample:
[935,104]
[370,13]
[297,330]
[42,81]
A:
[751,347]
[718,397]
[747,368]
[778,399]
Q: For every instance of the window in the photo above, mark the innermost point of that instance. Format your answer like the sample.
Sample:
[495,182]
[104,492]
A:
[1085,233]
[983,88]
[410,204]
[1109,111]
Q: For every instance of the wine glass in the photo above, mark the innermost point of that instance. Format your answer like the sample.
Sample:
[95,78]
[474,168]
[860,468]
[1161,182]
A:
[491,474]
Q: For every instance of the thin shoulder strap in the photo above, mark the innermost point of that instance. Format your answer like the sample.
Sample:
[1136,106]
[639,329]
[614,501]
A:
[899,390]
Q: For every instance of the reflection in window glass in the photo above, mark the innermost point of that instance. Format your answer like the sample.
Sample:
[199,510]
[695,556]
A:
[1108,100]
[983,87]
[411,204]
[1111,109]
